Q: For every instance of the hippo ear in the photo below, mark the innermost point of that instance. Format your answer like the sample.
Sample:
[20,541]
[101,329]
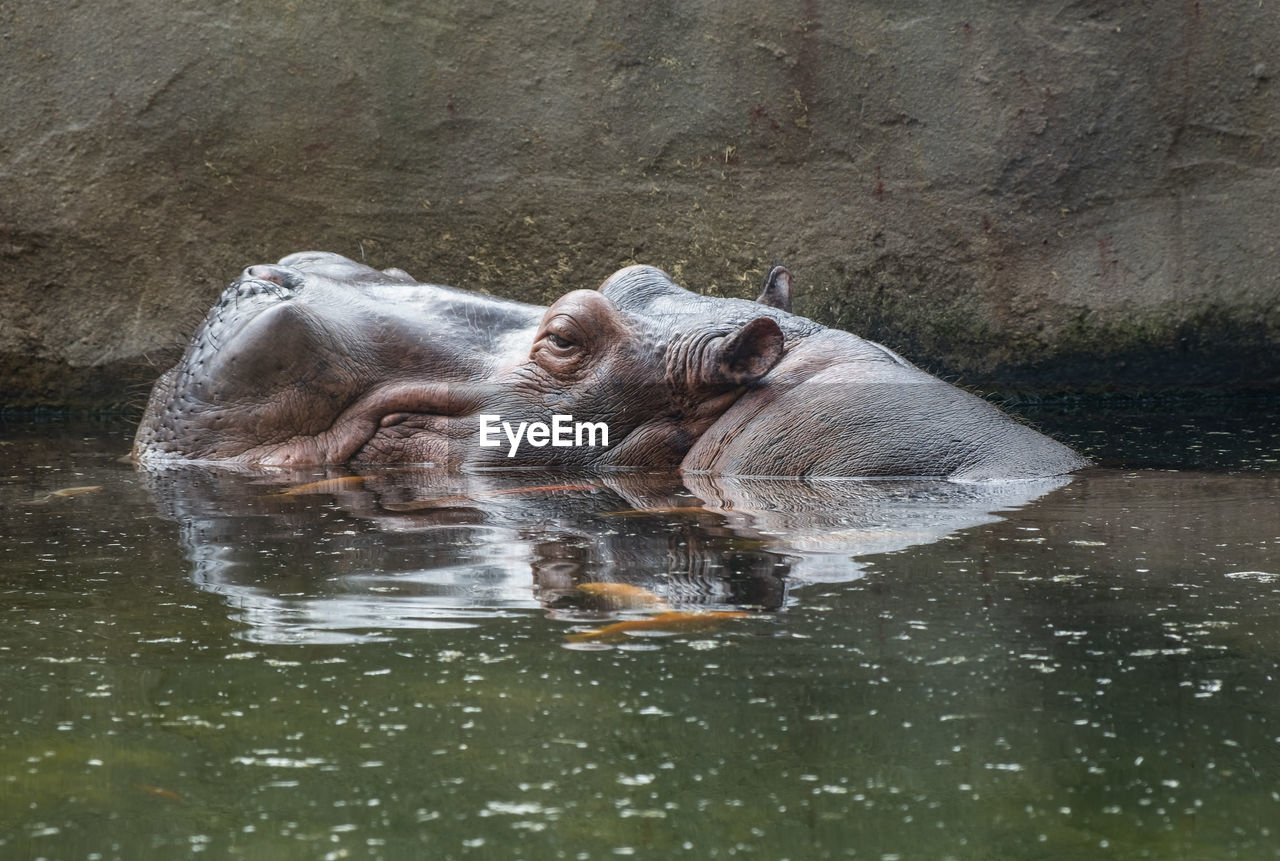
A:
[747,354]
[777,289]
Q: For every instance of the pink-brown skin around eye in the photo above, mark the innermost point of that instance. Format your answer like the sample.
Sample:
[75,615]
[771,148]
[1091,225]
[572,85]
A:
[580,328]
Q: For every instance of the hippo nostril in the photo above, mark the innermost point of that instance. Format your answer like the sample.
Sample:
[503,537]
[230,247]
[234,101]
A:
[269,280]
[262,273]
[285,276]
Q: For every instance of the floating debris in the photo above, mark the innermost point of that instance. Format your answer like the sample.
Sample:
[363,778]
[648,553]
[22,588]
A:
[1257,576]
[159,791]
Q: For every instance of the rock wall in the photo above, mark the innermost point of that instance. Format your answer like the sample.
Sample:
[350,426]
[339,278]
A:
[1038,196]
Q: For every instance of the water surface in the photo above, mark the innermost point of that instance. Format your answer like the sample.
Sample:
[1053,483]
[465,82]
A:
[400,664]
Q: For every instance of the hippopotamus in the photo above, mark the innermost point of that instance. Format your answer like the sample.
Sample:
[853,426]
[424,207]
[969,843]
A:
[840,405]
[319,359]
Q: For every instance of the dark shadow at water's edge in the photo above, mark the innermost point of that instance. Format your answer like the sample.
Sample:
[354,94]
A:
[1209,434]
[340,555]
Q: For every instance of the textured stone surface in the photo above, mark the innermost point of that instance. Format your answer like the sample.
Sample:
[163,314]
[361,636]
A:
[1018,195]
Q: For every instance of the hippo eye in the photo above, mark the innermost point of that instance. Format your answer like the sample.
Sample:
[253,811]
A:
[559,342]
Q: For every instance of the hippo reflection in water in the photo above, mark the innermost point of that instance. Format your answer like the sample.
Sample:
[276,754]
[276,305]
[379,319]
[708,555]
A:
[412,547]
[319,359]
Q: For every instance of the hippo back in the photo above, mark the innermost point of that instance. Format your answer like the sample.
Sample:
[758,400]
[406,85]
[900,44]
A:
[831,408]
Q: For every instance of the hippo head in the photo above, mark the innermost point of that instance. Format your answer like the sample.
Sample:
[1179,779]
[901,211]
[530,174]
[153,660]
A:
[319,359]
[654,388]
[299,361]
[644,391]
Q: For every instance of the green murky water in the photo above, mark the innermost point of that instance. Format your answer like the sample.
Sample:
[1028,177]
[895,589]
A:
[403,665]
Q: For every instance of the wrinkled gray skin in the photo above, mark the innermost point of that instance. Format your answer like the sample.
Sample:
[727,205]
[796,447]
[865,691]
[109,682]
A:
[839,405]
[300,362]
[318,359]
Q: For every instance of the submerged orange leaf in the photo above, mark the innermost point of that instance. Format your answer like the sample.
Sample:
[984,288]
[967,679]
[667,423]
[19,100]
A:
[328,485]
[672,621]
[66,492]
